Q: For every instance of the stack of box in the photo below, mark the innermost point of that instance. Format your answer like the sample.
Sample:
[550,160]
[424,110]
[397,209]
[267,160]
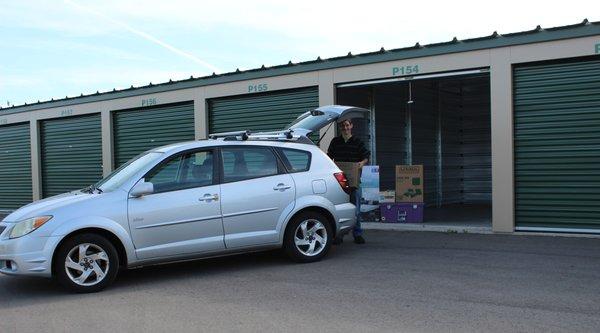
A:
[408,206]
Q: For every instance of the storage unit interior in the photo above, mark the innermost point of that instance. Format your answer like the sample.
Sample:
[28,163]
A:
[442,123]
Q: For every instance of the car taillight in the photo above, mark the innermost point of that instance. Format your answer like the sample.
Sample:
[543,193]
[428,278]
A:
[343,181]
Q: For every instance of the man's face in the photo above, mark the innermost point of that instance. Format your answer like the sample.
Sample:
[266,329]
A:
[346,128]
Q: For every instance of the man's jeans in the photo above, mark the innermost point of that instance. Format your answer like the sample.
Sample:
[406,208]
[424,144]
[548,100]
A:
[355,197]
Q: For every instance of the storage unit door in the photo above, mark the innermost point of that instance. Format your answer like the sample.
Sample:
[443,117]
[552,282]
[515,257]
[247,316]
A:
[557,146]
[71,152]
[138,130]
[262,112]
[15,166]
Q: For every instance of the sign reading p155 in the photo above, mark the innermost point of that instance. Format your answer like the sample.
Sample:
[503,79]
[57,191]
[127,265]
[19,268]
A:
[253,88]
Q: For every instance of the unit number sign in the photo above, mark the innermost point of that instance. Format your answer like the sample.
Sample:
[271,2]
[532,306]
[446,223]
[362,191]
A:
[405,70]
[252,88]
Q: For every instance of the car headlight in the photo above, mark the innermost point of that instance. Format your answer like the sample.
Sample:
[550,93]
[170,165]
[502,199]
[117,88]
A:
[24,227]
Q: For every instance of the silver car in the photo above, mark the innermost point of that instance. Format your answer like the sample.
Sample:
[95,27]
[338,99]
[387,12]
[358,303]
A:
[233,193]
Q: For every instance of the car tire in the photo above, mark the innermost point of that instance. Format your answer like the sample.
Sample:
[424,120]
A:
[308,237]
[86,263]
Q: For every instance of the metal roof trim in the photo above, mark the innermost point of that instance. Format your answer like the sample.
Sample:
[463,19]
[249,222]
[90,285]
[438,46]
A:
[583,29]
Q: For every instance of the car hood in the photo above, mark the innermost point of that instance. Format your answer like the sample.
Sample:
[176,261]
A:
[46,206]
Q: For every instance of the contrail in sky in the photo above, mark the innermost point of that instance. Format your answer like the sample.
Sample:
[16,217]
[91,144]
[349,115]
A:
[147,36]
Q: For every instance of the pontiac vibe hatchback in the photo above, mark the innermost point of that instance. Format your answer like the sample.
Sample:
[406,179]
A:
[235,192]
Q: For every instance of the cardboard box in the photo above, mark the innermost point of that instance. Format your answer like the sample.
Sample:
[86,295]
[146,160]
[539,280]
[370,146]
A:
[352,172]
[409,183]
[388,196]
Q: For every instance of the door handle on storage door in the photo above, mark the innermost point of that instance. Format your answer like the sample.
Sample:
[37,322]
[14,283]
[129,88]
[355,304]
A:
[281,187]
[209,197]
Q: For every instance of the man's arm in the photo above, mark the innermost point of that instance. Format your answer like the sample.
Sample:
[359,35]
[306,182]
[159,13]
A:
[331,149]
[364,153]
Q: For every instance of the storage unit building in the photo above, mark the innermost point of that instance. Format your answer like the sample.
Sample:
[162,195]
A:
[506,125]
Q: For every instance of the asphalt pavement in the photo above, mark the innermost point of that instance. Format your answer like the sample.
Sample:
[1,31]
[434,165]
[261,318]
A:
[397,282]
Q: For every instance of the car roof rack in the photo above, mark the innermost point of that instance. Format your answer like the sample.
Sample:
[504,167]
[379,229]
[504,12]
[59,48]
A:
[230,135]
[285,135]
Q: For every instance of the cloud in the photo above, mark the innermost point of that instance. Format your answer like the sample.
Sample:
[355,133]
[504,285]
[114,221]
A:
[145,36]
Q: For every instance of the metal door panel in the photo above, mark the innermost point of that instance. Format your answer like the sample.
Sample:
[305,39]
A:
[252,209]
[177,222]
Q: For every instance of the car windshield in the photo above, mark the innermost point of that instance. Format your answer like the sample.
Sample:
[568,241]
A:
[125,171]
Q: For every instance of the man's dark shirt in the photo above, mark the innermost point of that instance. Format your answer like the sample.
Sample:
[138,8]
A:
[352,150]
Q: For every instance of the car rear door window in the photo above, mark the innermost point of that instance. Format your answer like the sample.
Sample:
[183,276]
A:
[298,160]
[240,163]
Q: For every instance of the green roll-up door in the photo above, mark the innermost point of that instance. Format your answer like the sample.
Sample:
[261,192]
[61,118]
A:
[261,112]
[15,166]
[557,146]
[71,152]
[136,131]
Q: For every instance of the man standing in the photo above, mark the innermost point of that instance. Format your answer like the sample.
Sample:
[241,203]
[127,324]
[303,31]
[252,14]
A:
[347,148]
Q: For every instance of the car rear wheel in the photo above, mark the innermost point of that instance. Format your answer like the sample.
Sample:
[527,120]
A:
[86,263]
[308,237]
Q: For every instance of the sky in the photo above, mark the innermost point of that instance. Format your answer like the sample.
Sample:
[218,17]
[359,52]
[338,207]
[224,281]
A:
[53,49]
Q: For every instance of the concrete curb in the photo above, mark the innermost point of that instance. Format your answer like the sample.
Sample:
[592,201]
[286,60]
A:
[426,227]
[449,228]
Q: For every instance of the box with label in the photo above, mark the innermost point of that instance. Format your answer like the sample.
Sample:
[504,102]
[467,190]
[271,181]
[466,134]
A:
[352,172]
[369,184]
[409,183]
[402,212]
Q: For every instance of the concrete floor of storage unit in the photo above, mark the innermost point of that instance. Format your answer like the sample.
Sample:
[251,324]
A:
[459,218]
[472,215]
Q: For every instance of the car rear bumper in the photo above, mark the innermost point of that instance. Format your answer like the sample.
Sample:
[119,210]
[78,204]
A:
[346,218]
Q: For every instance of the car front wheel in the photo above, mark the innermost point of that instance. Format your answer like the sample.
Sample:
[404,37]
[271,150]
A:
[308,237]
[86,263]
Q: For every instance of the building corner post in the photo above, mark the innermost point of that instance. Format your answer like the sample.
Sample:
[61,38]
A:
[503,191]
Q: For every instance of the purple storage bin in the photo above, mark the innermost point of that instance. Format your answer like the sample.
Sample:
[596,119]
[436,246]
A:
[402,212]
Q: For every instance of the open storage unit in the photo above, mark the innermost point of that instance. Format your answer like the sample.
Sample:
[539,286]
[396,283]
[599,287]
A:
[440,122]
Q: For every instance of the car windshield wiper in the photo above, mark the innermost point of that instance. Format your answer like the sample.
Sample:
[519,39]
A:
[91,189]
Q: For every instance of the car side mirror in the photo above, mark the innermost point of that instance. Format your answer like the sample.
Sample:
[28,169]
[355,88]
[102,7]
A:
[141,188]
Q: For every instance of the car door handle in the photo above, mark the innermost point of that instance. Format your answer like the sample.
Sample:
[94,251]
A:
[208,197]
[281,187]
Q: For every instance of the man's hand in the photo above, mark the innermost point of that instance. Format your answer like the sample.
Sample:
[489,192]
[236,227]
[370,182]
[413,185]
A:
[362,163]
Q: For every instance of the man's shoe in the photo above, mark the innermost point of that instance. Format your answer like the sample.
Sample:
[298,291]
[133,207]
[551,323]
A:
[359,239]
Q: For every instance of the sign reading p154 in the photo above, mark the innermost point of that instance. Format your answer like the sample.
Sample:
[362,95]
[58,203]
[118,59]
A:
[253,88]
[405,70]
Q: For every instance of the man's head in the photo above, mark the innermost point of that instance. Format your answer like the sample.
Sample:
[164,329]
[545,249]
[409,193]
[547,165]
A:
[346,127]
